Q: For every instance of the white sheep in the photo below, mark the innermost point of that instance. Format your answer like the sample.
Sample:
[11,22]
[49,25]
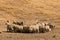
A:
[13,27]
[34,28]
[9,27]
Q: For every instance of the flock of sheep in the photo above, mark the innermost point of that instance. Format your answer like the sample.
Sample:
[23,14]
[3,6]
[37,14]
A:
[19,27]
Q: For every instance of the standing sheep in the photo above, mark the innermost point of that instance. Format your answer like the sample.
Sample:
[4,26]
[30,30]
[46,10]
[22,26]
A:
[52,26]
[17,28]
[46,27]
[34,28]
[13,27]
[25,29]
[9,27]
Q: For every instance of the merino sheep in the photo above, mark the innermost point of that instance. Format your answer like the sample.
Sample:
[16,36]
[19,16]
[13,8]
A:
[34,28]
[25,29]
[9,27]
[17,28]
[45,27]
[52,26]
[42,28]
[14,28]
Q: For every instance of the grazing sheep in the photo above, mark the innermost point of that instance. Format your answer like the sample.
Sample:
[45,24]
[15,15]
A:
[34,28]
[41,27]
[9,27]
[17,28]
[51,26]
[46,27]
[31,29]
[14,28]
[25,29]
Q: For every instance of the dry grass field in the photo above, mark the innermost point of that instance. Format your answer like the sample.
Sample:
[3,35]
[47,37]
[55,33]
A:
[29,11]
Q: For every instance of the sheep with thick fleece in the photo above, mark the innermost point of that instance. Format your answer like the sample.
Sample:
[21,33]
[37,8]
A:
[13,27]
[34,28]
[46,27]
[9,27]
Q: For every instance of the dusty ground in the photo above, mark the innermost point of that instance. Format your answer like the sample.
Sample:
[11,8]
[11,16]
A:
[53,35]
[29,11]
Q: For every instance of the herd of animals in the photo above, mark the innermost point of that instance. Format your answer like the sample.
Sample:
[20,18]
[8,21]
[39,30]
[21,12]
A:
[19,27]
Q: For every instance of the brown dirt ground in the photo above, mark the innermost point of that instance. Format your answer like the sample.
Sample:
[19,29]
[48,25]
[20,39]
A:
[29,11]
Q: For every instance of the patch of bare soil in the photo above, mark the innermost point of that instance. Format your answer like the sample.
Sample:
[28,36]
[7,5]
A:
[29,11]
